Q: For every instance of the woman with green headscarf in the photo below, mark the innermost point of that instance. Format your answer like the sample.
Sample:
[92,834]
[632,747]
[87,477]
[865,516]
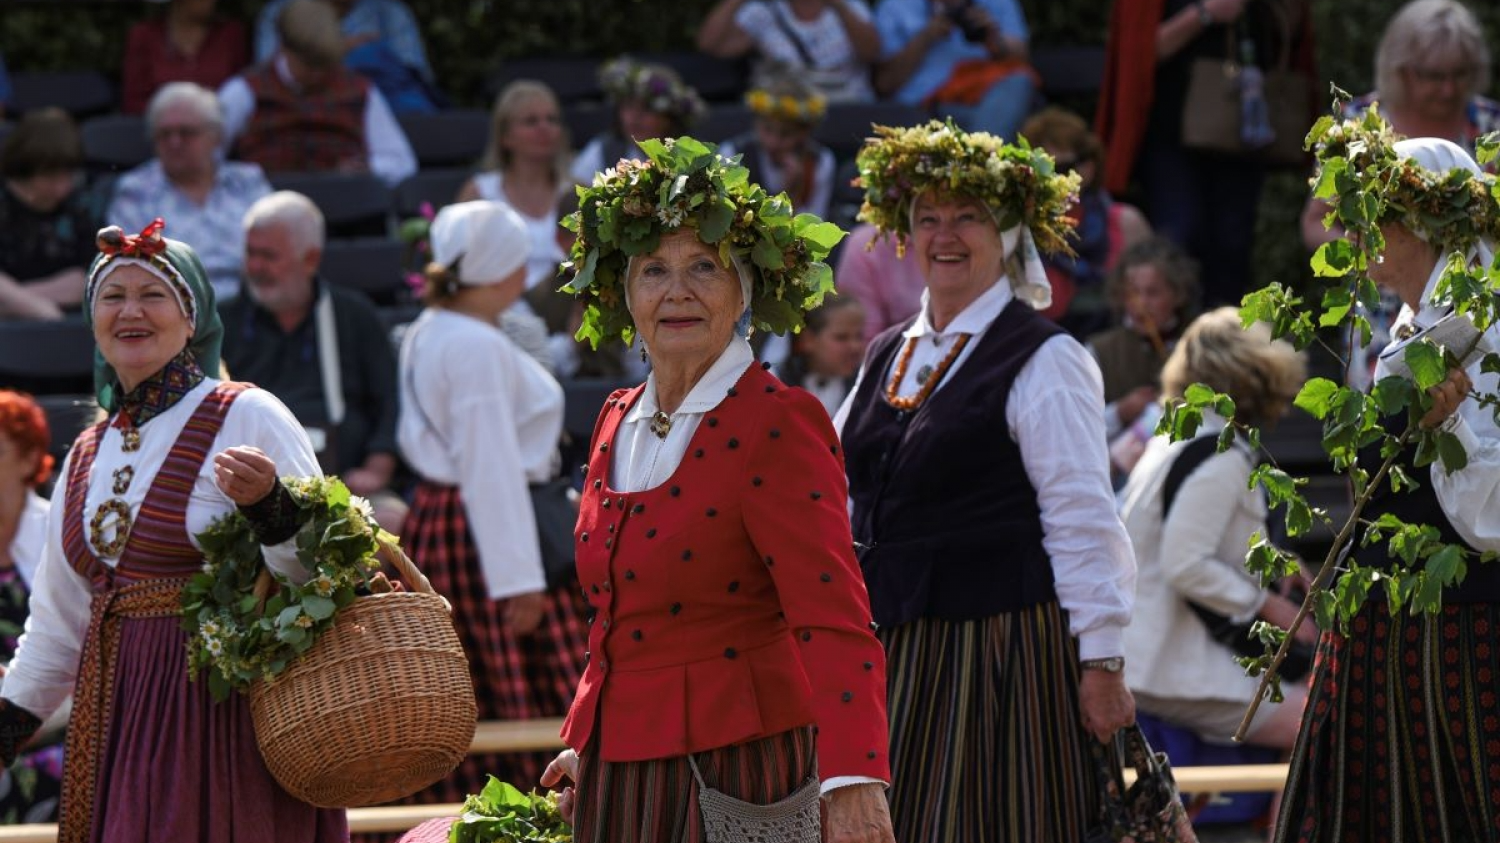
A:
[150,756]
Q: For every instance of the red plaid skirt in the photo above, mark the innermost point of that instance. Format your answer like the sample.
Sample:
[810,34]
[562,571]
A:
[1401,735]
[657,800]
[515,677]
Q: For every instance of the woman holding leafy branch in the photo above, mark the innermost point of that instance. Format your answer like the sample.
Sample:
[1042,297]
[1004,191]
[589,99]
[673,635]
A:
[732,657]
[150,756]
[1401,735]
[998,570]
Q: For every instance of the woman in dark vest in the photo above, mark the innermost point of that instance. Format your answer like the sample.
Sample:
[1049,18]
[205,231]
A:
[998,572]
[1401,735]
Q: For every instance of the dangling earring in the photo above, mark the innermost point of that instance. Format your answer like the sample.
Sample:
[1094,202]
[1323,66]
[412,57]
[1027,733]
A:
[643,352]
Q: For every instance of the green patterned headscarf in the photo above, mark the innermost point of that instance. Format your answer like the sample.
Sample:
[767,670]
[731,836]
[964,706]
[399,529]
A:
[177,264]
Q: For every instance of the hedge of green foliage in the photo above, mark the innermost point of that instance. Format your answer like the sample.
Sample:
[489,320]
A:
[468,39]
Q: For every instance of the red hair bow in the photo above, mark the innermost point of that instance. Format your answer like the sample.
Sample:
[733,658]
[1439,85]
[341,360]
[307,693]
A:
[114,241]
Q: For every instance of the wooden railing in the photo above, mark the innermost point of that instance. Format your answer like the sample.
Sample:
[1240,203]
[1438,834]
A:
[526,735]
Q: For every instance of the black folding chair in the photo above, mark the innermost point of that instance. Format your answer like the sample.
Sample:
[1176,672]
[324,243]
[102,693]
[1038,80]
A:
[115,142]
[353,205]
[372,265]
[447,138]
[437,187]
[81,93]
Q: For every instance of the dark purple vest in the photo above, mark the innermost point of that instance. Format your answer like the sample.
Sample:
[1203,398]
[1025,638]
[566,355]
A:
[947,517]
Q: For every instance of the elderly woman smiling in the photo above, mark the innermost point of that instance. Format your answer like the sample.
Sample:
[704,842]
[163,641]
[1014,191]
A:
[998,571]
[732,656]
[134,491]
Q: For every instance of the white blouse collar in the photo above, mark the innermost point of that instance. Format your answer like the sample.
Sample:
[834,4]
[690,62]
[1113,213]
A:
[972,319]
[709,391]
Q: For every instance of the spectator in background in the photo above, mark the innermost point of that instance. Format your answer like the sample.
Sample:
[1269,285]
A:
[192,42]
[1190,535]
[650,101]
[780,152]
[302,110]
[872,269]
[1104,228]
[964,59]
[1204,202]
[46,229]
[829,44]
[29,792]
[827,352]
[205,198]
[320,348]
[1432,64]
[525,165]
[382,43]
[1153,291]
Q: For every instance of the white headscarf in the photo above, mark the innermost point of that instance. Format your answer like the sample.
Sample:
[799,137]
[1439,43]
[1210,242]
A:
[486,240]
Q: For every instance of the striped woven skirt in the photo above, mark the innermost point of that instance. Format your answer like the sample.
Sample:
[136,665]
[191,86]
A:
[987,742]
[515,677]
[657,800]
[1400,741]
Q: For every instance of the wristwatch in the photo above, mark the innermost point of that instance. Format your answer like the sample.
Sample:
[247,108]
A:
[1113,664]
[1203,14]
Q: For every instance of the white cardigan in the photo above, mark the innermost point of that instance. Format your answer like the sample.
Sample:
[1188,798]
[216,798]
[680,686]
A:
[1198,553]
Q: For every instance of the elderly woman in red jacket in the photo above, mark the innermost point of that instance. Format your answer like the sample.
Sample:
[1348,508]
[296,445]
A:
[732,651]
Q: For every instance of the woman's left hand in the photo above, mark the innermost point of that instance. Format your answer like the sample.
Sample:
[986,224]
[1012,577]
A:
[1105,702]
[858,813]
[245,474]
[1446,396]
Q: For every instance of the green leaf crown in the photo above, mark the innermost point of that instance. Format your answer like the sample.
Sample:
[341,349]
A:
[1020,184]
[1364,179]
[686,183]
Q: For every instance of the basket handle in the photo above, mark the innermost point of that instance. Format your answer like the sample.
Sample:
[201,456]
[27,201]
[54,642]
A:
[392,553]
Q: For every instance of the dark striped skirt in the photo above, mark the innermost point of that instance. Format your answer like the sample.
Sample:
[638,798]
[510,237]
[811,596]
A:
[656,801]
[987,742]
[1401,736]
[515,677]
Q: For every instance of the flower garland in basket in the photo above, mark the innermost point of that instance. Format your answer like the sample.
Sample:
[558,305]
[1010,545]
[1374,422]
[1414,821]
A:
[685,182]
[1017,182]
[239,638]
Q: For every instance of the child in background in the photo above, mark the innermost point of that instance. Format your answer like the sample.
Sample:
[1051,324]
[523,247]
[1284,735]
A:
[826,355]
[781,153]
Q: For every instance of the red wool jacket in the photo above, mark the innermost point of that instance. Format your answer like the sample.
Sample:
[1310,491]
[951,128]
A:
[729,605]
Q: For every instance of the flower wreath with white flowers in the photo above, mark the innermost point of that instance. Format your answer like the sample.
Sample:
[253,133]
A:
[1017,182]
[240,638]
[657,88]
[686,183]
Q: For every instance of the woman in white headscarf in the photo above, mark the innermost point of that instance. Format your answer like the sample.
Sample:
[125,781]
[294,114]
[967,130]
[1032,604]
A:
[480,420]
[1400,738]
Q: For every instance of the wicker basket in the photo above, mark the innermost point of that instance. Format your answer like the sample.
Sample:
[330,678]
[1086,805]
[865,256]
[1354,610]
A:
[379,708]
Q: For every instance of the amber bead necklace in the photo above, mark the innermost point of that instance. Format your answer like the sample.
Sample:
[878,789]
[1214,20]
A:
[909,403]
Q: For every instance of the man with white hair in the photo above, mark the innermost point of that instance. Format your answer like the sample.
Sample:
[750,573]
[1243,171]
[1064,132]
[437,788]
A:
[320,348]
[204,198]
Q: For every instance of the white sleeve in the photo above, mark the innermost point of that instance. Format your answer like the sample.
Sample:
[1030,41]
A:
[492,481]
[42,674]
[391,156]
[1055,412]
[1470,497]
[258,418]
[238,102]
[1194,531]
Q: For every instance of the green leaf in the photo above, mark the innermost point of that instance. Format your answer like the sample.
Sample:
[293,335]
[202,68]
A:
[1316,397]
[319,608]
[1226,438]
[1393,394]
[1447,565]
[1426,363]
[1451,452]
[1198,395]
[715,220]
[1333,259]
[767,255]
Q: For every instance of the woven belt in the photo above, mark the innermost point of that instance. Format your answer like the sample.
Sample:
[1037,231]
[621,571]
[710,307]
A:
[93,694]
